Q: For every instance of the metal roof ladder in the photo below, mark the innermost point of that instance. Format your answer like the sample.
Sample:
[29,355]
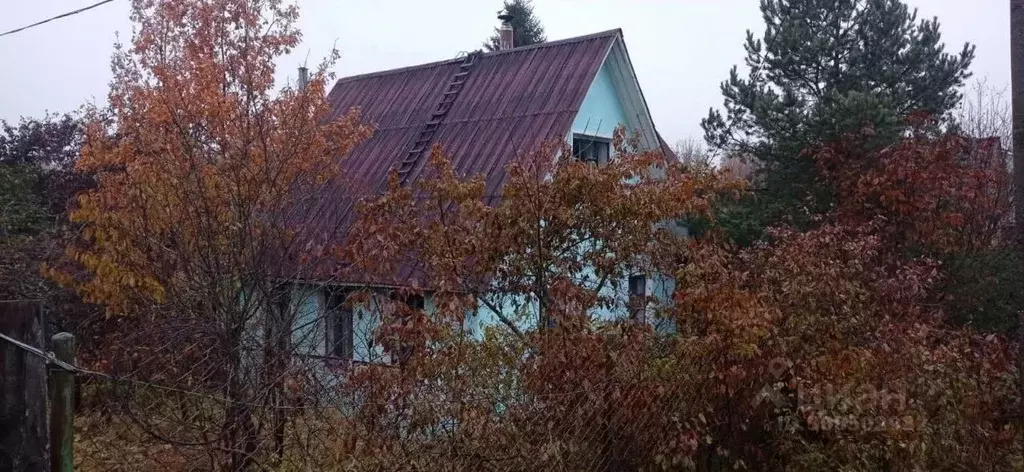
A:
[426,135]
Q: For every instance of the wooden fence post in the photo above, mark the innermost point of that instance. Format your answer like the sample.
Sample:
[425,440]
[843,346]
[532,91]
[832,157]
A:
[62,415]
[22,388]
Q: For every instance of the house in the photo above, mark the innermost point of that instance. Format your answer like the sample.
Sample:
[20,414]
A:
[484,109]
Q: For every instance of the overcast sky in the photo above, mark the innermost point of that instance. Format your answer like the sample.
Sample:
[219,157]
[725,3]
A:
[681,49]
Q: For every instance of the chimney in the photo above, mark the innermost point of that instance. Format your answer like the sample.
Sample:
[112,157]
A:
[303,77]
[506,39]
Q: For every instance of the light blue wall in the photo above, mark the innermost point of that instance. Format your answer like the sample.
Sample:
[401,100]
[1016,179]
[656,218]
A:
[523,312]
[602,109]
[309,333]
[366,319]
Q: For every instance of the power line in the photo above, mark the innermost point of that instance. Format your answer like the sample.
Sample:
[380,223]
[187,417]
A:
[70,13]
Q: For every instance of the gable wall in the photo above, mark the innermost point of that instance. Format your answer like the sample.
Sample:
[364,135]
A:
[602,110]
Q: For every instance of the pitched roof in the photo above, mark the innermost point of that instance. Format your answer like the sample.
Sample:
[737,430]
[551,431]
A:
[511,101]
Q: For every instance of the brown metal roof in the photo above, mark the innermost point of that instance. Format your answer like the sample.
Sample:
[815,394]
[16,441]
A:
[511,101]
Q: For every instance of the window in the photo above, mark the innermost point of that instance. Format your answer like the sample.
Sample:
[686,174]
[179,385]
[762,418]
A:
[637,296]
[279,316]
[339,324]
[414,302]
[591,149]
[638,285]
[280,297]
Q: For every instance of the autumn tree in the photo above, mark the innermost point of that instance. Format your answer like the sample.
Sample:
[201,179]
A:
[545,269]
[37,180]
[823,349]
[52,141]
[810,350]
[943,196]
[204,170]
[586,227]
[822,69]
[826,347]
[36,159]
[526,27]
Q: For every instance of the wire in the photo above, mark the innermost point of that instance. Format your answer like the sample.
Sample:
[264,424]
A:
[52,358]
[70,13]
[49,356]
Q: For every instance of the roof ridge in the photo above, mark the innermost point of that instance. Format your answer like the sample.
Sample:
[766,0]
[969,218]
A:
[379,73]
[427,65]
[559,42]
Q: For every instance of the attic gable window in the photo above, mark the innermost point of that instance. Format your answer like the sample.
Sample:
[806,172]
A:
[591,149]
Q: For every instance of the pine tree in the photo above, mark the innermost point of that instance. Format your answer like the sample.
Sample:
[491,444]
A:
[526,28]
[822,69]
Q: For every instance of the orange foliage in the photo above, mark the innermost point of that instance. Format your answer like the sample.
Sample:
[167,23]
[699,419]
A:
[203,172]
[558,224]
[199,171]
[938,193]
[813,350]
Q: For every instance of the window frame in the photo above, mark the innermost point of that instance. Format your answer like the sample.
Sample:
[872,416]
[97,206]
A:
[601,158]
[637,288]
[340,316]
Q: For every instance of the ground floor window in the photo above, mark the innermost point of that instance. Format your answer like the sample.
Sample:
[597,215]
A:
[339,324]
[638,297]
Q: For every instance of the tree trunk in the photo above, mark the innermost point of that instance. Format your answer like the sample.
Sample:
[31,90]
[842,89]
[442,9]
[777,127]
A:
[1017,86]
[239,433]
[277,357]
[1017,83]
